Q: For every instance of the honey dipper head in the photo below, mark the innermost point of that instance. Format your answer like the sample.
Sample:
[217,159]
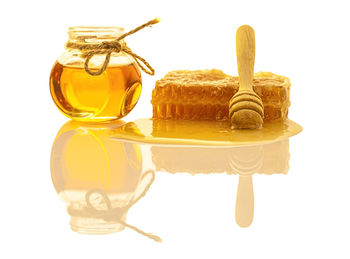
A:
[246,110]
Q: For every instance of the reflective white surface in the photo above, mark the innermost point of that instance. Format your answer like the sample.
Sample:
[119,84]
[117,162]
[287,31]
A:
[304,214]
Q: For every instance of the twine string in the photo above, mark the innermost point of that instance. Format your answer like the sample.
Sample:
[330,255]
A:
[115,214]
[109,47]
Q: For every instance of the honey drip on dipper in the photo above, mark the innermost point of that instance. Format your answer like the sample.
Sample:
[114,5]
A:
[246,110]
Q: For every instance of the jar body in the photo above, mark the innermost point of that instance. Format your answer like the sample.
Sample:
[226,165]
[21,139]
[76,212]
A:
[84,97]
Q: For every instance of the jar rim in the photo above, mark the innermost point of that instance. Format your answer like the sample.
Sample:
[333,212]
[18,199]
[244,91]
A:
[94,32]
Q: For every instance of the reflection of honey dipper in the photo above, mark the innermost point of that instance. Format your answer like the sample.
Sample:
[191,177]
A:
[268,159]
[246,109]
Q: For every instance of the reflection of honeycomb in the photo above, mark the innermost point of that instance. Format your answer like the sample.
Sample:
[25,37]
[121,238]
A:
[205,94]
[270,158]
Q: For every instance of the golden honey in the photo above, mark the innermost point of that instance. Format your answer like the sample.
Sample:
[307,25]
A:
[203,133]
[108,96]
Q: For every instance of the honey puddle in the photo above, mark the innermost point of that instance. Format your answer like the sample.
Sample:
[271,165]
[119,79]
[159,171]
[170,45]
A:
[203,133]
[100,172]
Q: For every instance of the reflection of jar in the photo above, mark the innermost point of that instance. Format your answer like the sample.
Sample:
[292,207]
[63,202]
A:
[97,177]
[81,96]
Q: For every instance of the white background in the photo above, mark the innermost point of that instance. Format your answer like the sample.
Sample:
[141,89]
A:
[304,214]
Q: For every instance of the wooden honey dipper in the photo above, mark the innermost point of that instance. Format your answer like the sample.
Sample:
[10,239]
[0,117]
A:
[246,109]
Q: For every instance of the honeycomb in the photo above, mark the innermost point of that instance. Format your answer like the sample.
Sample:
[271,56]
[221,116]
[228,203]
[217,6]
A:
[205,95]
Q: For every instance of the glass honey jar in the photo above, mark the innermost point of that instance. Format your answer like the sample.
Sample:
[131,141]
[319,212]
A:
[109,95]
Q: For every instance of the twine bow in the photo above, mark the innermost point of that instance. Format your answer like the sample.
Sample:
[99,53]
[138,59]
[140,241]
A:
[108,47]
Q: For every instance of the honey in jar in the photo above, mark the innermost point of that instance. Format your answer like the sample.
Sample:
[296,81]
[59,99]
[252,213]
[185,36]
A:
[84,97]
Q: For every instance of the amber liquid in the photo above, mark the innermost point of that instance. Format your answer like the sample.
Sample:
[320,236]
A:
[111,166]
[108,96]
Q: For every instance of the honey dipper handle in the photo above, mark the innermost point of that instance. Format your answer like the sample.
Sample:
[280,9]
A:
[245,51]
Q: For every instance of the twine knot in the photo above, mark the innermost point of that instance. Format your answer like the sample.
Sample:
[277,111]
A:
[113,46]
[108,47]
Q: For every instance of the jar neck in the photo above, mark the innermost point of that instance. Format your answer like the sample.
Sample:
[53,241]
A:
[94,35]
